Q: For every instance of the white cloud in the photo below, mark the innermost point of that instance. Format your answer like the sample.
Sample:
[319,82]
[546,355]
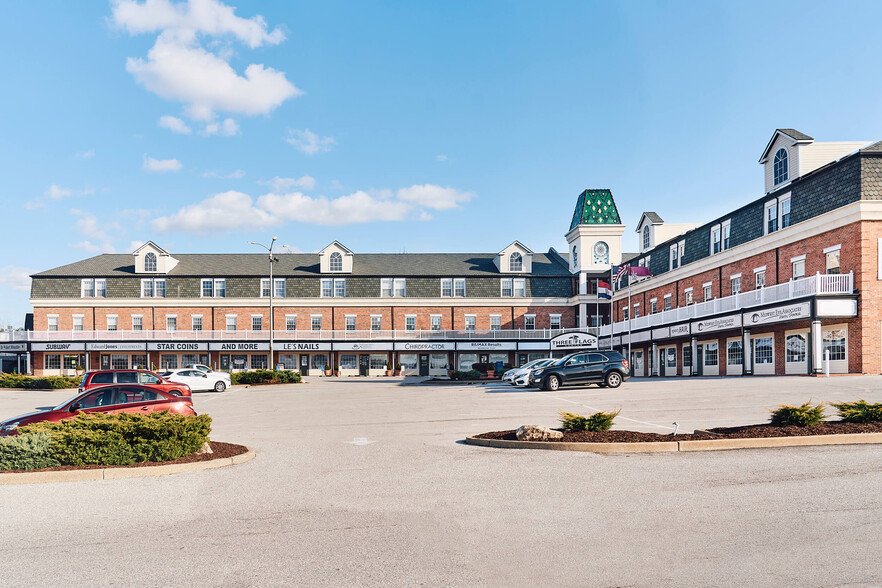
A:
[226,128]
[434,197]
[56,192]
[174,124]
[236,175]
[134,245]
[282,184]
[16,277]
[358,207]
[441,157]
[205,16]
[161,165]
[224,211]
[308,142]
[94,247]
[88,154]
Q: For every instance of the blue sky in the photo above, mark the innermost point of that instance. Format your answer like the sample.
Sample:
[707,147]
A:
[410,126]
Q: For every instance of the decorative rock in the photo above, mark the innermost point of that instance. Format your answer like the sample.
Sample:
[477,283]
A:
[537,433]
[206,448]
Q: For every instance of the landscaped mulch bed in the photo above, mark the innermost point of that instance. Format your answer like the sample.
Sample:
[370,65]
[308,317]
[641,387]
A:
[220,450]
[745,432]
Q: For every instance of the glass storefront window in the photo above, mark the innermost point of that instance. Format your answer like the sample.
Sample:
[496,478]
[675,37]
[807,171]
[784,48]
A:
[794,349]
[762,347]
[318,361]
[378,361]
[168,362]
[466,360]
[259,361]
[408,361]
[239,361]
[348,361]
[438,361]
[288,361]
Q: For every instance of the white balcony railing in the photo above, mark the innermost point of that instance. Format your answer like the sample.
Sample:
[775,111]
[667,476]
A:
[817,285]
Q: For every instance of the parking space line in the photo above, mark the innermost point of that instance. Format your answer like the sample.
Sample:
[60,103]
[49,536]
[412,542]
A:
[598,410]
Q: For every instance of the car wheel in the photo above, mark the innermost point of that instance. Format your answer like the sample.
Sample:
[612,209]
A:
[553,383]
[176,392]
[614,379]
[220,386]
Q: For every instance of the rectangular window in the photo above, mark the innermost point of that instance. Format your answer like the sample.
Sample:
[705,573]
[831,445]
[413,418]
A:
[101,288]
[348,361]
[171,322]
[689,299]
[137,322]
[400,287]
[734,354]
[625,314]
[727,231]
[668,302]
[207,287]
[231,323]
[529,322]
[832,259]
[760,279]
[785,213]
[459,288]
[671,357]
[687,355]
[259,361]
[771,224]
[147,288]
[168,362]
[708,294]
[554,321]
[77,322]
[495,322]
[159,288]
[470,322]
[220,288]
[350,322]
[52,322]
[799,269]
[410,323]
[87,288]
[264,287]
[506,289]
[52,361]
[290,322]
[711,354]
[279,285]
[316,322]
[834,342]
[653,306]
[520,287]
[197,322]
[794,348]
[378,361]
[446,287]
[435,320]
[376,322]
[111,322]
[762,348]
[256,323]
[736,285]
[716,239]
[675,260]
[139,361]
[386,287]
[119,361]
[637,310]
[340,287]
[328,287]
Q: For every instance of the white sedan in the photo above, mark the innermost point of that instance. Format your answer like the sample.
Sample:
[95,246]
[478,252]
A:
[522,376]
[510,375]
[207,370]
[197,379]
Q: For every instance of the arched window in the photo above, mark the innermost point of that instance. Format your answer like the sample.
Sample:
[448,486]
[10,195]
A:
[150,262]
[336,262]
[516,262]
[780,166]
[646,237]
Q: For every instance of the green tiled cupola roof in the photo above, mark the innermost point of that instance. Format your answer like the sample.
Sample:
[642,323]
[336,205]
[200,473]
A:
[595,207]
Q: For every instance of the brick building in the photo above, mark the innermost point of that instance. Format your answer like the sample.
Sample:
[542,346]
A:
[785,284]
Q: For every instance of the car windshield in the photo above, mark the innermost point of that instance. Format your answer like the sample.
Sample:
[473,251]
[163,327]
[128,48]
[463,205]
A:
[166,374]
[544,362]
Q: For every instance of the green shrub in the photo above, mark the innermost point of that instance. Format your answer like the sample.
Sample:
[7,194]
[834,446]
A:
[26,452]
[858,412]
[469,375]
[599,421]
[41,383]
[266,377]
[123,439]
[806,415]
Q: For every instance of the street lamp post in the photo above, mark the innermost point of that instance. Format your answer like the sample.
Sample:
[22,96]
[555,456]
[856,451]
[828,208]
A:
[272,287]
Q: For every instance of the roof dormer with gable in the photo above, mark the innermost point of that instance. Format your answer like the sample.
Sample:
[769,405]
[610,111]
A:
[514,259]
[646,236]
[335,259]
[150,258]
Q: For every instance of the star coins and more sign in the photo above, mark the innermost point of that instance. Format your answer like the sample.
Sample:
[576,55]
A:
[573,341]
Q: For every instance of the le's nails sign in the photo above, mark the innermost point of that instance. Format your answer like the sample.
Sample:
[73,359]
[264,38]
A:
[574,341]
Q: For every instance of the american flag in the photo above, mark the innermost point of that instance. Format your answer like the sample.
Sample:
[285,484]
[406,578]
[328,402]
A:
[621,271]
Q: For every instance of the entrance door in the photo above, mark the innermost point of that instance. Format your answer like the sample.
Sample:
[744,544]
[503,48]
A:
[700,360]
[424,365]
[304,365]
[661,362]
[105,362]
[364,364]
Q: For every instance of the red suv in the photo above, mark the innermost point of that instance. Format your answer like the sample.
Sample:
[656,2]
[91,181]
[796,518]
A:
[147,378]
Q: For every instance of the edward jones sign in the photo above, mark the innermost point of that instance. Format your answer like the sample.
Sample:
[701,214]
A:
[574,341]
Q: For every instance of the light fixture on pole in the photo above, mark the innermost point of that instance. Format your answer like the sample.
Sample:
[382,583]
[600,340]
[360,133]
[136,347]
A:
[272,287]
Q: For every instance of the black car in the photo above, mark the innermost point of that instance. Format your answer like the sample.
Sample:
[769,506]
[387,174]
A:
[605,368]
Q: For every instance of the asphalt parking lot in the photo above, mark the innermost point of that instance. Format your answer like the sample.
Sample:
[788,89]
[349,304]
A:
[365,482]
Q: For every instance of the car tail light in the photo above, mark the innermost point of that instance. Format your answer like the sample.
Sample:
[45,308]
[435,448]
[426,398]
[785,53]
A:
[626,364]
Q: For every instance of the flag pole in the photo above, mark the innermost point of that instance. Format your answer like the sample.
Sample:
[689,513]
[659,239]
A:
[629,316]
[612,290]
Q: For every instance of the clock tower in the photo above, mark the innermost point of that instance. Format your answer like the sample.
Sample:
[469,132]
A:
[594,240]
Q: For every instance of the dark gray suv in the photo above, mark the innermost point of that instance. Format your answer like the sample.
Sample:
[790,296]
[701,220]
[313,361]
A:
[604,368]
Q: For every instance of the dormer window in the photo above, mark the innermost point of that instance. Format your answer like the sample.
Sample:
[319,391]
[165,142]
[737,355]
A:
[150,262]
[335,263]
[780,166]
[646,237]
[516,262]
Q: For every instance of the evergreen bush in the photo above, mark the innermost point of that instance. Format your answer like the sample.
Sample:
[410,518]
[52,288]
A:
[40,383]
[26,452]
[805,415]
[266,377]
[469,375]
[599,421]
[858,412]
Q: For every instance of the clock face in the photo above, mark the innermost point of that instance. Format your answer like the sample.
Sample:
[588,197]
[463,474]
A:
[601,252]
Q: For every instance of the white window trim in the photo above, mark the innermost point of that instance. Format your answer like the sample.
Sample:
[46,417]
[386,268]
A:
[769,204]
[797,258]
[712,229]
[193,318]
[726,224]
[668,296]
[734,276]
[655,299]
[757,270]
[781,201]
[689,289]
[134,316]
[832,248]
[706,284]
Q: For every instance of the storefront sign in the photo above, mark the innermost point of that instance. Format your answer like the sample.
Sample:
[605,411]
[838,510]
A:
[425,346]
[120,346]
[304,346]
[777,314]
[362,346]
[172,346]
[680,330]
[486,346]
[13,347]
[639,337]
[717,324]
[224,346]
[574,341]
[58,346]
[836,307]
[542,346]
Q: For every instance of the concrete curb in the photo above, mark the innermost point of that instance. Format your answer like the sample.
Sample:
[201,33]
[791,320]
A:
[676,446]
[120,473]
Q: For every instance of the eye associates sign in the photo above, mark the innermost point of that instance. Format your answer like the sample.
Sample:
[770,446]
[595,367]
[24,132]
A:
[717,324]
[777,314]
[574,341]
